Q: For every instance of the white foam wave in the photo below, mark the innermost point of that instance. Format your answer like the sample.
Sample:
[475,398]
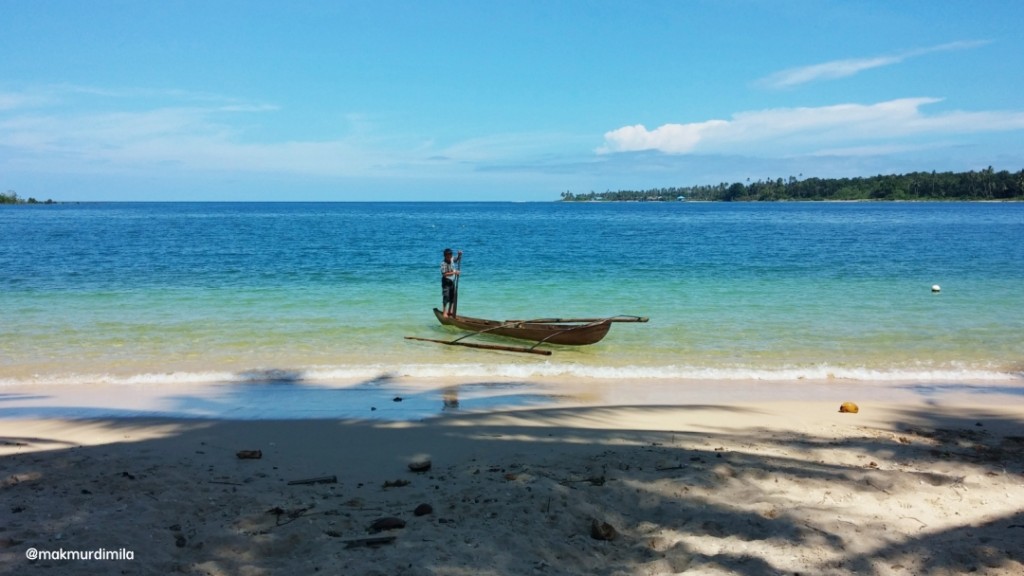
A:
[526,371]
[556,370]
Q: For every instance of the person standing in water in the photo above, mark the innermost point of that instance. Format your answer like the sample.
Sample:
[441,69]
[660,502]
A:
[448,275]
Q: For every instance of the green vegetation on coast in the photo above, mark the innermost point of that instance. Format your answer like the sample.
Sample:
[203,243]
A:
[11,197]
[984,185]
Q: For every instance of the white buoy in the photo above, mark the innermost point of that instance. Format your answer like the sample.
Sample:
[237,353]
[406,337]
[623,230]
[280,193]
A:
[936,288]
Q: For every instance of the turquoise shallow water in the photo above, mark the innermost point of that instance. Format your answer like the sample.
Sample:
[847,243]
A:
[163,293]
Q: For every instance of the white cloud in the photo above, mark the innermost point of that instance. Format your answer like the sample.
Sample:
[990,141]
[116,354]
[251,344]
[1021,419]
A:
[848,67]
[671,138]
[807,130]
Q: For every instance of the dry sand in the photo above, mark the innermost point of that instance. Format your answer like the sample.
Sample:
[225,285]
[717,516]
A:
[917,486]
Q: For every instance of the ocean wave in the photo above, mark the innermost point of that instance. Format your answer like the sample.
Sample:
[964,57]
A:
[468,372]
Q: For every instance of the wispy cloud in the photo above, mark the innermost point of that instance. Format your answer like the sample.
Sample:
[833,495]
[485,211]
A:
[52,95]
[190,138]
[88,129]
[808,130]
[83,128]
[848,67]
[21,100]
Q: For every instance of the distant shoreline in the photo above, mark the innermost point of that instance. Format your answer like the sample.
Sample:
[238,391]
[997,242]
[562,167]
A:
[984,185]
[560,201]
[794,201]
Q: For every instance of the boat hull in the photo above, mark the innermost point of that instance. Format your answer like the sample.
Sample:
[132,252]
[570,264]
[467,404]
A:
[574,334]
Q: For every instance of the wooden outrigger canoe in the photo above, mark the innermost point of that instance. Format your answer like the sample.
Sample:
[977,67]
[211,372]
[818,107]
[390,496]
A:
[574,333]
[564,331]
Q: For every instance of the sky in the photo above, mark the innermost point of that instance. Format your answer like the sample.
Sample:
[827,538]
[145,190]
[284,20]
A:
[519,100]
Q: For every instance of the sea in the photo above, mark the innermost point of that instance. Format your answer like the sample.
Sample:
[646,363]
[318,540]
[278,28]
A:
[165,294]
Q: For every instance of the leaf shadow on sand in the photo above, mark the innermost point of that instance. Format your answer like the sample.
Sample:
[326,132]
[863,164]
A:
[515,491]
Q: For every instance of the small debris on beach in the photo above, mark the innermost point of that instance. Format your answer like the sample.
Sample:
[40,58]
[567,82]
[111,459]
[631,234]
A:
[370,542]
[388,523]
[849,408]
[423,510]
[249,454]
[419,466]
[602,530]
[318,480]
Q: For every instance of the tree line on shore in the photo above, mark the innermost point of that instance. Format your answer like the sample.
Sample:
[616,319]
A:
[11,197]
[984,185]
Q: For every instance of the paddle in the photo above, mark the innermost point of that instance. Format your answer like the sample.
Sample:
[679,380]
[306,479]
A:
[455,293]
[483,346]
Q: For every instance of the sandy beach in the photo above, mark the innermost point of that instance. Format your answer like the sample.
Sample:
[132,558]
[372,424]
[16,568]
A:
[913,483]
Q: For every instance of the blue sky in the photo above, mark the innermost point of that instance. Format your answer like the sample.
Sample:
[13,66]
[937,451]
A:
[480,100]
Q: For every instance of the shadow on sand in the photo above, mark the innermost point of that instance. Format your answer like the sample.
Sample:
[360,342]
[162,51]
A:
[512,492]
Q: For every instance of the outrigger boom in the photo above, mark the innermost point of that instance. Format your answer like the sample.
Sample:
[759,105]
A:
[609,319]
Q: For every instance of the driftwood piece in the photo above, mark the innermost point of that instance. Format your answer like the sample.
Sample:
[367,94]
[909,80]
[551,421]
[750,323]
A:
[384,524]
[249,454]
[593,480]
[666,467]
[371,542]
[291,515]
[318,480]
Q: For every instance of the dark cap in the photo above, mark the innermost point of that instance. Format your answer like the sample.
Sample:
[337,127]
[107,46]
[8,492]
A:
[447,251]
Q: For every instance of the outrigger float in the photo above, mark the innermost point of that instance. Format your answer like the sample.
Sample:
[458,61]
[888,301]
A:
[564,331]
